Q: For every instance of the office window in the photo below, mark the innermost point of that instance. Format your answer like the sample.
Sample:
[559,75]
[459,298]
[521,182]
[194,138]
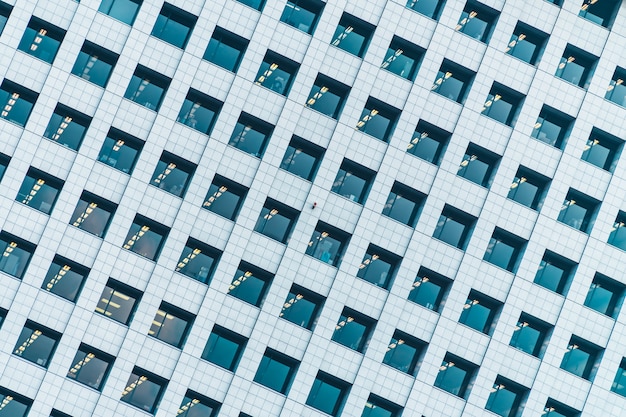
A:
[530,335]
[478,165]
[378,266]
[353,181]
[353,35]
[601,12]
[602,149]
[506,397]
[174,25]
[95,64]
[41,39]
[57,413]
[250,284]
[197,405]
[428,142]
[5,12]
[527,43]
[3,316]
[17,102]
[617,237]
[251,135]
[198,260]
[453,81]
[171,324]
[480,311]
[429,8]
[16,254]
[555,272]
[226,49]
[15,405]
[378,119]
[552,127]
[429,289]
[36,343]
[90,367]
[582,358]
[328,243]
[120,150]
[454,227]
[327,96]
[554,408]
[328,394]
[503,104]
[67,127]
[118,301]
[147,88]
[277,73]
[528,188]
[255,4]
[276,371]
[144,390]
[276,220]
[93,214]
[146,237]
[616,91]
[224,348]
[302,158]
[404,352]
[173,174]
[605,295]
[455,375]
[576,66]
[380,407]
[302,14]
[4,163]
[403,204]
[578,210]
[39,190]
[199,111]
[65,278]
[354,330]
[477,21]
[619,383]
[505,250]
[403,58]
[122,10]
[302,307]
[225,197]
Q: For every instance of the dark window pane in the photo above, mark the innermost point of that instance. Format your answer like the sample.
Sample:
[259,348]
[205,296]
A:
[429,289]
[250,284]
[65,278]
[120,151]
[146,237]
[144,390]
[327,244]
[429,8]
[93,214]
[224,348]
[95,64]
[196,405]
[41,39]
[302,307]
[353,330]
[328,394]
[171,325]
[428,142]
[225,197]
[172,174]
[36,344]
[199,111]
[479,312]
[118,301]
[302,14]
[16,254]
[174,25]
[15,405]
[276,220]
[327,96]
[226,49]
[276,371]
[198,261]
[529,335]
[67,127]
[554,272]
[39,190]
[90,367]
[17,102]
[302,158]
[276,73]
[147,88]
[619,383]
[403,352]
[454,375]
[123,10]
[352,35]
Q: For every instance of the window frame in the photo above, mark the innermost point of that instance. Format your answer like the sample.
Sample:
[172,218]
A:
[168,13]
[561,409]
[525,33]
[139,223]
[5,13]
[374,401]
[434,14]
[477,298]
[127,293]
[500,95]
[120,139]
[235,188]
[193,248]
[617,236]
[504,384]
[617,290]
[80,216]
[244,272]
[359,27]
[163,313]
[231,336]
[54,275]
[144,76]
[556,118]
[594,355]
[68,117]
[401,191]
[588,7]
[193,399]
[272,355]
[78,366]
[350,168]
[28,340]
[617,85]
[322,85]
[368,323]
[95,54]
[295,295]
[401,47]
[560,262]
[298,146]
[39,179]
[35,35]
[19,95]
[16,398]
[321,232]
[132,385]
[619,382]
[425,275]
[245,124]
[605,140]
[450,213]
[486,157]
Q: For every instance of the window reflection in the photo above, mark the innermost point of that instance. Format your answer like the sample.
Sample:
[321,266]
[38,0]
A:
[67,127]
[120,150]
[146,237]
[250,284]
[93,214]
[144,390]
[224,348]
[16,254]
[353,330]
[17,102]
[65,278]
[226,49]
[352,35]
[251,135]
[41,39]
[403,352]
[90,367]
[147,88]
[171,325]
[122,10]
[302,14]
[36,344]
[327,244]
[118,301]
[39,190]
[174,25]
[302,307]
[225,197]
[95,64]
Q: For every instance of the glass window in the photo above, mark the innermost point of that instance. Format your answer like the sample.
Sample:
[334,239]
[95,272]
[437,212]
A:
[120,150]
[118,301]
[36,343]
[454,227]
[171,324]
[5,12]
[57,413]
[226,49]
[255,4]
[4,163]
[276,220]
[95,64]
[453,81]
[505,250]
[554,408]
[173,174]
[602,149]
[353,330]
[146,237]
[327,96]
[378,119]
[90,367]
[527,43]
[328,244]
[147,88]
[144,390]
[576,66]
[3,316]
[428,142]
[477,21]
[17,102]
[578,210]
[224,348]
[276,371]
[530,335]
[198,260]
[455,375]
[528,188]
[123,10]
[552,127]
[302,307]
[555,272]
[65,278]
[403,58]
[600,12]
[617,237]
[41,39]
[478,165]
[619,383]
[93,214]
[39,190]
[196,405]
[403,204]
[479,312]
[276,73]
[616,91]
[379,266]
[302,158]
[506,397]
[174,25]
[199,111]
[250,284]
[429,289]
[503,104]
[404,352]
[429,8]
[582,358]
[328,394]
[225,197]
[251,135]
[16,254]
[605,295]
[15,405]
[380,407]
[353,181]
[67,127]
[302,14]
[353,35]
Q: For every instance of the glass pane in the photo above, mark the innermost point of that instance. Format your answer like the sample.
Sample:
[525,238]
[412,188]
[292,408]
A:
[426,293]
[451,378]
[349,185]
[64,130]
[170,30]
[248,140]
[222,201]
[573,215]
[13,407]
[123,10]
[88,369]
[299,162]
[526,338]
[424,147]
[168,328]
[523,49]
[222,54]
[35,346]
[350,333]
[474,170]
[167,176]
[91,217]
[502,402]
[324,397]
[196,115]
[476,315]
[547,131]
[377,271]
[118,154]
[523,192]
[196,264]
[37,193]
[298,17]
[36,43]
[14,258]
[575,361]
[222,351]
[596,154]
[142,91]
[299,310]
[92,69]
[450,231]
[144,394]
[63,281]
[324,247]
[325,101]
[273,374]
[347,39]
[248,288]
[500,254]
[400,209]
[116,305]
[400,356]
[451,87]
[599,298]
